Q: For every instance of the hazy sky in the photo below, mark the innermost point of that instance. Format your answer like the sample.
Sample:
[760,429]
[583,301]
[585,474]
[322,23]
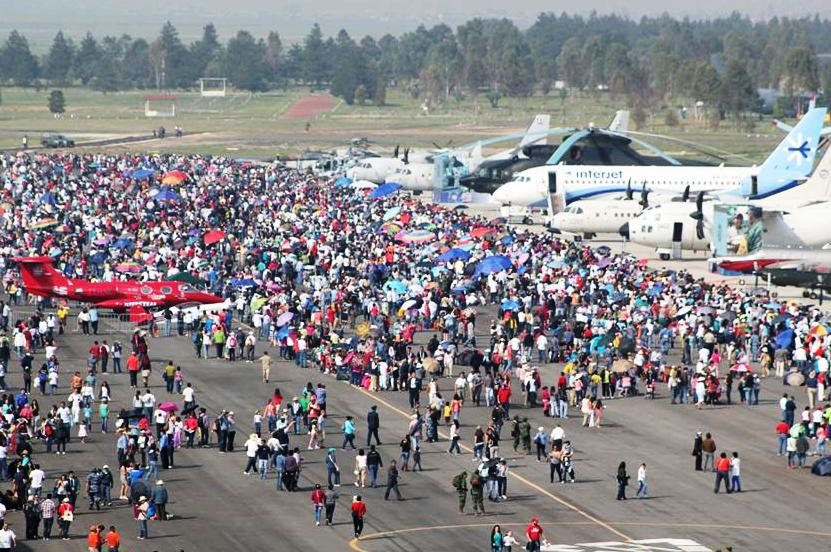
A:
[39,19]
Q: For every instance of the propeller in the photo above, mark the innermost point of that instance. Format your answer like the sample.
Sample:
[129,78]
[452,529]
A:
[686,195]
[406,158]
[698,215]
[395,151]
[644,202]
[629,190]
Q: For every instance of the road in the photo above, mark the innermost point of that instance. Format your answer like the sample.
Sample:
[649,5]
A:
[218,508]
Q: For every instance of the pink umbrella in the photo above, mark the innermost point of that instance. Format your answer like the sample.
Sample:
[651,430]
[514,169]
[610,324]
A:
[168,407]
[284,318]
[213,236]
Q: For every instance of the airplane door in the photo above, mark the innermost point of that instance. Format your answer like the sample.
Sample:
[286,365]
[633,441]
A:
[552,183]
[677,233]
[556,202]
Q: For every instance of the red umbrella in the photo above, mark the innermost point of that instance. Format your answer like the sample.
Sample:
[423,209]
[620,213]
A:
[480,231]
[181,175]
[168,407]
[213,236]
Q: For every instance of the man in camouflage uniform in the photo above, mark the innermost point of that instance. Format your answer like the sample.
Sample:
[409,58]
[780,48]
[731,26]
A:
[524,430]
[477,493]
[460,483]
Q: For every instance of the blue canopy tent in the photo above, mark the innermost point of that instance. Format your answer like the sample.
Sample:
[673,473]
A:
[343,182]
[384,190]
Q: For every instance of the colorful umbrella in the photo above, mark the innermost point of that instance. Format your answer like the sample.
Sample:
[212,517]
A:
[128,267]
[213,236]
[390,228]
[284,318]
[172,180]
[416,236]
[40,224]
[168,407]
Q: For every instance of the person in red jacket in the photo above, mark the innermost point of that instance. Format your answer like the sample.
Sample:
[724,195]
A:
[782,430]
[723,473]
[358,513]
[503,395]
[318,499]
[534,534]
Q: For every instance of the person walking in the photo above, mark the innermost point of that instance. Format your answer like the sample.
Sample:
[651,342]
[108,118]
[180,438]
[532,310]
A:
[373,463]
[141,517]
[373,424]
[540,441]
[696,451]
[460,484]
[392,481]
[358,514]
[454,438]
[319,500]
[66,513]
[348,428]
[622,481]
[332,469]
[708,447]
[113,539]
[265,363]
[360,469]
[534,535]
[160,500]
[477,493]
[722,473]
[330,501]
[735,473]
[642,486]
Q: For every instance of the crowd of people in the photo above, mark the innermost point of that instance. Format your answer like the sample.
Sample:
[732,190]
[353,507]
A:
[329,277]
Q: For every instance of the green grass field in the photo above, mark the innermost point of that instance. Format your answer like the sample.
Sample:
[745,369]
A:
[246,125]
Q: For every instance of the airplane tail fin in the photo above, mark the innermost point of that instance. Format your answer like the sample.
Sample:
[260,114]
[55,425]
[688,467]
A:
[621,121]
[794,156]
[816,188]
[537,132]
[39,275]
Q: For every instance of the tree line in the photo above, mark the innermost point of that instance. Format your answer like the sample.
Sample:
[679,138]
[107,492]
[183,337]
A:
[720,61]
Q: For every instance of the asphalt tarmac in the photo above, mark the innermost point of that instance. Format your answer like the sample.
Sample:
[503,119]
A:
[216,507]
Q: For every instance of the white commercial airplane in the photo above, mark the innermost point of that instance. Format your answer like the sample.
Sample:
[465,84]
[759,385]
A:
[789,163]
[793,218]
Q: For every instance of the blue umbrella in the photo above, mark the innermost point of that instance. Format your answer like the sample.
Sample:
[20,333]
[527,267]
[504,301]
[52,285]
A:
[123,243]
[784,339]
[494,263]
[98,258]
[167,195]
[243,282]
[343,182]
[384,190]
[142,174]
[396,285]
[454,254]
[283,333]
[507,240]
[510,305]
[48,199]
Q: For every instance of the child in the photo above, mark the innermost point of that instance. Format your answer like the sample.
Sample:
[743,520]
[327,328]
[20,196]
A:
[258,422]
[417,459]
[447,413]
[82,430]
[88,414]
[179,380]
[508,541]
[104,412]
[314,436]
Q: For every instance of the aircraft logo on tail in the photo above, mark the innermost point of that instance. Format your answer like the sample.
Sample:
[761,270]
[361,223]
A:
[799,149]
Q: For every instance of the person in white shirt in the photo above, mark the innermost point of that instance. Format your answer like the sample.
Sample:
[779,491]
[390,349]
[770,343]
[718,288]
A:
[735,473]
[557,436]
[8,540]
[642,486]
[36,481]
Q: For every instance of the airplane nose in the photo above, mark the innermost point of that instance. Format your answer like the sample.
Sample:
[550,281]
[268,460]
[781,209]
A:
[624,230]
